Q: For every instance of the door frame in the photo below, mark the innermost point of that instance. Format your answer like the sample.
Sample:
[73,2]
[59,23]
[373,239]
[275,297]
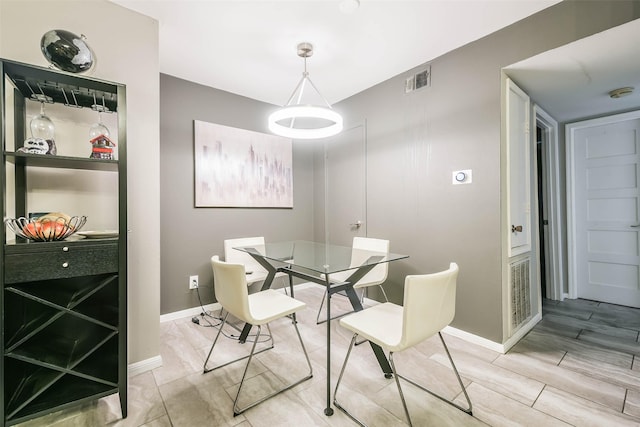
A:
[554,257]
[570,130]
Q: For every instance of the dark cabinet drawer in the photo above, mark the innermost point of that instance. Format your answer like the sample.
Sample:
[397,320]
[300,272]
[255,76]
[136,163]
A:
[43,261]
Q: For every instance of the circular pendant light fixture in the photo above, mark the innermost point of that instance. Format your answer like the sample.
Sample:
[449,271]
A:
[300,120]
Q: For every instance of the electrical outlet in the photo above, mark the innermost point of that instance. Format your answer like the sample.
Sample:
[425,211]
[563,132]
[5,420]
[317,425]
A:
[193,282]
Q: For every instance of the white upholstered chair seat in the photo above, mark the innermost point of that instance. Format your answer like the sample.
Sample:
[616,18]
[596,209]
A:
[269,305]
[380,324]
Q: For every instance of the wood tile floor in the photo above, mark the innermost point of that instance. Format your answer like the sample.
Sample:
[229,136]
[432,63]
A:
[580,366]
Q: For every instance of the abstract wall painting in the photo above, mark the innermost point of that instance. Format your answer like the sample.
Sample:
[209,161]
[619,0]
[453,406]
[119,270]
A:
[241,168]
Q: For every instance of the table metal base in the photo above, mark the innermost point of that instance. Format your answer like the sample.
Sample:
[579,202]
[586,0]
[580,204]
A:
[331,288]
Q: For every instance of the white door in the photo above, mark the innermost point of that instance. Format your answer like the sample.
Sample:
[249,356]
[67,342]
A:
[520,293]
[519,175]
[604,212]
[345,196]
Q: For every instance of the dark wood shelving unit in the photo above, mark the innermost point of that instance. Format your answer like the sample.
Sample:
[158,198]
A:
[63,322]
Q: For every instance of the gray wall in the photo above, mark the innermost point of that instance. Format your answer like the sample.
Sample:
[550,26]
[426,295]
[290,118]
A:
[190,236]
[128,55]
[415,141]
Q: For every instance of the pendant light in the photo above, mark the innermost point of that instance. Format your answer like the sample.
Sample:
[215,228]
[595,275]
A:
[300,120]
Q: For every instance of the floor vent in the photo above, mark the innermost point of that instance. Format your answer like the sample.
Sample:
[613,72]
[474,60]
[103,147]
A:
[520,293]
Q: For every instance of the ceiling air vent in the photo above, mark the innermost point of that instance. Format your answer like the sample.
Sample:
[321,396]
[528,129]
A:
[418,80]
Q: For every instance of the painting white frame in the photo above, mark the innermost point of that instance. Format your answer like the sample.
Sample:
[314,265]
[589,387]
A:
[241,168]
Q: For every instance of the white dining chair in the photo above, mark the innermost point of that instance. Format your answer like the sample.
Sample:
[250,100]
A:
[360,251]
[257,309]
[428,307]
[253,270]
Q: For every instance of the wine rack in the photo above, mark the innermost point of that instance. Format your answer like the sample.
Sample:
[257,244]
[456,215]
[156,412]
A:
[63,322]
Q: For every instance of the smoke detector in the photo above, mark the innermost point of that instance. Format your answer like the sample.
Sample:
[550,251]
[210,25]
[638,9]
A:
[619,93]
[349,6]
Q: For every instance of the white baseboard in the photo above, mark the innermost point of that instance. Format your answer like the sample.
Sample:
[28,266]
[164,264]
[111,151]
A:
[144,365]
[513,340]
[474,339]
[467,336]
[491,345]
[193,311]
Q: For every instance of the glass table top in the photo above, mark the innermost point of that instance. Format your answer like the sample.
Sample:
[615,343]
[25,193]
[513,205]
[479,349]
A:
[319,257]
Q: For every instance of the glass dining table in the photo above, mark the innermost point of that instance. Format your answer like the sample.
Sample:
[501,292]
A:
[316,262]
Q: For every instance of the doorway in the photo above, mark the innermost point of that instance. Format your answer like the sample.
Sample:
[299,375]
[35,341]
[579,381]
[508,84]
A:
[542,214]
[550,252]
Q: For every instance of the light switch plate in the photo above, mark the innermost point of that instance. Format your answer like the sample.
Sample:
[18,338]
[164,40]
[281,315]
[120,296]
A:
[461,177]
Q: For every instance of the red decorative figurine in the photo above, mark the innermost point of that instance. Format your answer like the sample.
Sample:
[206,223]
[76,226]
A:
[102,148]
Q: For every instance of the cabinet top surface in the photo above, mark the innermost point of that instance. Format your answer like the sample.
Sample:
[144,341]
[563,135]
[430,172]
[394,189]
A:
[45,246]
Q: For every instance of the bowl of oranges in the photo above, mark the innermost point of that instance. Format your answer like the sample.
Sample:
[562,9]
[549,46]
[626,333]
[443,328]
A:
[49,227]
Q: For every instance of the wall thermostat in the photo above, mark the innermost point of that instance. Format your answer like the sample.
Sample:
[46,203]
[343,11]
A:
[461,177]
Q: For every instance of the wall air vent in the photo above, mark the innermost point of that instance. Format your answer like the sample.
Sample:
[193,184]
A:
[419,80]
[520,279]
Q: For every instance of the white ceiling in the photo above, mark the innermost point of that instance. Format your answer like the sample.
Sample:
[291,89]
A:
[249,47]
[574,81]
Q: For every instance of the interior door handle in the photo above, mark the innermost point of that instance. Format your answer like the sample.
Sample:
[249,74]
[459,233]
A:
[356,224]
[635,225]
[516,229]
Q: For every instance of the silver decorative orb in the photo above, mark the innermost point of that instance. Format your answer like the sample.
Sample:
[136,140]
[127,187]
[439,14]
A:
[66,51]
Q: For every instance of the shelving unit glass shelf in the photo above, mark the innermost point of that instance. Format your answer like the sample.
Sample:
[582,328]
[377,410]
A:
[40,160]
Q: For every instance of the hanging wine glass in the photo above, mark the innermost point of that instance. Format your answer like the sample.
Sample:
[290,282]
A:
[42,126]
[102,146]
[99,128]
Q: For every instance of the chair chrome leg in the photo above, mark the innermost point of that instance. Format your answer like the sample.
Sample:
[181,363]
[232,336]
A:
[383,293]
[236,409]
[455,370]
[393,368]
[404,403]
[306,355]
[335,392]
[453,365]
[324,297]
[224,321]
[273,343]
